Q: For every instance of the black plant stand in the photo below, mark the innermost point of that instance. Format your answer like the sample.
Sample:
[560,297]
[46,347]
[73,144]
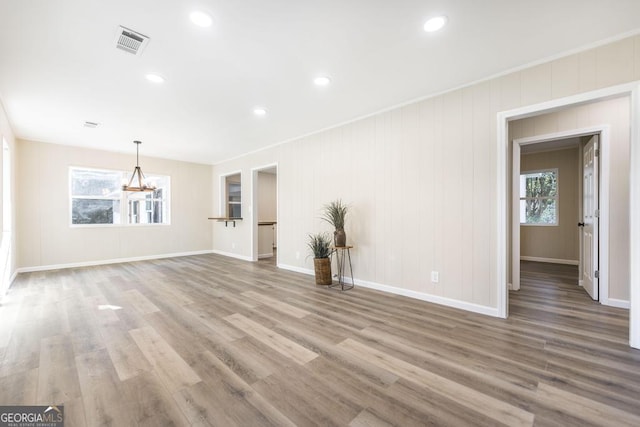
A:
[343,255]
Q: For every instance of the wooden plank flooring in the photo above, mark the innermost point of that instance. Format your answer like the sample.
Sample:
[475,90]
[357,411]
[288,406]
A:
[208,340]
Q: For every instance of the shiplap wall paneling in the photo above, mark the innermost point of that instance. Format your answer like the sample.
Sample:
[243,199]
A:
[615,63]
[483,211]
[380,248]
[412,252]
[439,211]
[363,208]
[535,84]
[565,79]
[440,153]
[425,198]
[453,239]
[468,208]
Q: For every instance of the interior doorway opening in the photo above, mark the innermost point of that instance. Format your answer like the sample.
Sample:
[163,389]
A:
[626,259]
[558,211]
[265,214]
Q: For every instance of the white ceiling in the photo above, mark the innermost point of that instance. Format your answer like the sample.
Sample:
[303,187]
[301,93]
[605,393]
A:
[59,66]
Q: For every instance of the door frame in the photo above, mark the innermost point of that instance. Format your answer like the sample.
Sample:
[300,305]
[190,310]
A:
[502,224]
[255,207]
[604,132]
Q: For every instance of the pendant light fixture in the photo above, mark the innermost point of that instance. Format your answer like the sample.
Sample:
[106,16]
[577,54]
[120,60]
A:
[138,176]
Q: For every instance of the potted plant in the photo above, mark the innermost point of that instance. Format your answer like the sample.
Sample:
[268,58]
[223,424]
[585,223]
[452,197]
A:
[334,213]
[319,244]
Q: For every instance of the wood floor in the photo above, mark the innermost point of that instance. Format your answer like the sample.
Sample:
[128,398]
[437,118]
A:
[209,340]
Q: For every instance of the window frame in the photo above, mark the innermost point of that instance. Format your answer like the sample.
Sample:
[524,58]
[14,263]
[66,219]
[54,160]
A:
[556,197]
[165,200]
[224,193]
[123,199]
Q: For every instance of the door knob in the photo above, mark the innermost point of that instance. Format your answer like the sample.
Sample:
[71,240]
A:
[581,224]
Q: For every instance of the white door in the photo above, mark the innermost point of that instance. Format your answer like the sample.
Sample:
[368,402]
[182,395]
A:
[590,214]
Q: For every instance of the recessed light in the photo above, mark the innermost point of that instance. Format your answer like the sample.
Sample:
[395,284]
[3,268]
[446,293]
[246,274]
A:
[259,111]
[201,19]
[322,81]
[434,24]
[155,78]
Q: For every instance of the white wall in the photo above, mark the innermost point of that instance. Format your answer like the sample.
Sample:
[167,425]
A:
[8,263]
[420,179]
[45,238]
[267,197]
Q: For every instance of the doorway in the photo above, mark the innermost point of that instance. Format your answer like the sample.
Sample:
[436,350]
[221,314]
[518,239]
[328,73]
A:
[265,214]
[631,256]
[556,205]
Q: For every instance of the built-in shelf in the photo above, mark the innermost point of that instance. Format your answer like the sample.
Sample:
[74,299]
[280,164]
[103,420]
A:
[227,220]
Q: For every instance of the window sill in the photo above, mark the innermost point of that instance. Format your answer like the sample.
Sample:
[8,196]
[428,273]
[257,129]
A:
[116,225]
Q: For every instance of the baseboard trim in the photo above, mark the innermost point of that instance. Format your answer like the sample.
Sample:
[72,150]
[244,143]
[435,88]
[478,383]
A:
[550,260]
[108,261]
[296,269]
[265,255]
[232,255]
[462,305]
[620,303]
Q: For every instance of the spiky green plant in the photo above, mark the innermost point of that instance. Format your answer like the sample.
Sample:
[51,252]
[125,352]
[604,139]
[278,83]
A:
[334,213]
[319,244]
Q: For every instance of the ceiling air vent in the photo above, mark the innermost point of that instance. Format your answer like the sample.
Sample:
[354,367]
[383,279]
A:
[131,41]
[91,125]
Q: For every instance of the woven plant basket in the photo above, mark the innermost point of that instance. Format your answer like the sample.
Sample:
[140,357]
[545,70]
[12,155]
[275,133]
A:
[323,271]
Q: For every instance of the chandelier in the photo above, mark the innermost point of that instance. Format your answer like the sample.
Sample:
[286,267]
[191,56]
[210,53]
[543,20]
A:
[137,176]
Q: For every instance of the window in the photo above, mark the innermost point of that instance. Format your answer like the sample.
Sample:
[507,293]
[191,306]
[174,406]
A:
[233,196]
[97,198]
[539,197]
[149,207]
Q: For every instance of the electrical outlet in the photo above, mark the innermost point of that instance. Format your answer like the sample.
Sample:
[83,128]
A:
[233,245]
[435,276]
[297,255]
